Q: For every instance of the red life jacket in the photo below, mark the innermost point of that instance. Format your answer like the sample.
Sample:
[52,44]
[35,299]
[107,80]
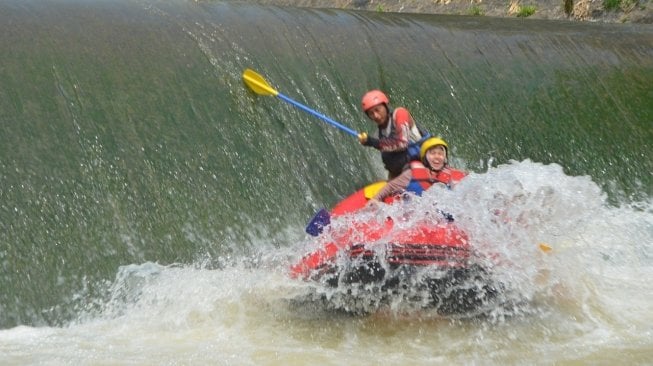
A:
[423,178]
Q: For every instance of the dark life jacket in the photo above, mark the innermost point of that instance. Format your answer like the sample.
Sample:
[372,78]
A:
[397,161]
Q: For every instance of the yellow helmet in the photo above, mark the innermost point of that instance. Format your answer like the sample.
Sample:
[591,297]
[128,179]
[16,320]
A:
[432,142]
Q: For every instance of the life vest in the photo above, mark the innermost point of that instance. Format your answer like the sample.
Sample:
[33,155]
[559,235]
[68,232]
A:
[396,161]
[423,178]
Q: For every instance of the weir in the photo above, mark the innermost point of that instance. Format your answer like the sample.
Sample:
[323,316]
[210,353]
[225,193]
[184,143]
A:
[128,136]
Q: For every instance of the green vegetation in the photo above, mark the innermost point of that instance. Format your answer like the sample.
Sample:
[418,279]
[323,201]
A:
[379,8]
[568,6]
[526,11]
[625,5]
[475,10]
[611,4]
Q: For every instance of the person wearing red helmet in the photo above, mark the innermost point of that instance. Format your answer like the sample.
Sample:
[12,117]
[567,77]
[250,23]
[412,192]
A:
[398,136]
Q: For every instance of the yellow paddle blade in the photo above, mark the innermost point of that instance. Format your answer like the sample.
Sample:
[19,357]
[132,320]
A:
[545,247]
[256,82]
[371,190]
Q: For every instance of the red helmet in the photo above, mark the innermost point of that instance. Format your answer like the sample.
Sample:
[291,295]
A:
[373,98]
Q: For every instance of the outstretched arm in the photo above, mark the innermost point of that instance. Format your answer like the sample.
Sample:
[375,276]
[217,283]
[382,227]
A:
[394,186]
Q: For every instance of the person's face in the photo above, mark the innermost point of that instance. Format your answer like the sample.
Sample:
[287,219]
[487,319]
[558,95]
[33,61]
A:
[378,114]
[436,157]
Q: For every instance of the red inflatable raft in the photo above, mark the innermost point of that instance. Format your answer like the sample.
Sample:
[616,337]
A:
[440,244]
[436,252]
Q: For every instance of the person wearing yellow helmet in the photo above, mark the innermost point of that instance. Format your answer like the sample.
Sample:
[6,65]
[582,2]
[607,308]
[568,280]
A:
[432,168]
[434,155]
[397,138]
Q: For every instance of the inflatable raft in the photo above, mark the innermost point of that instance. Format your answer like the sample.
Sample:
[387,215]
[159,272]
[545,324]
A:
[432,256]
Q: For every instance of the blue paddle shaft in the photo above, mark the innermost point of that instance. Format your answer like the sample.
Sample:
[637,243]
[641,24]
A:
[318,115]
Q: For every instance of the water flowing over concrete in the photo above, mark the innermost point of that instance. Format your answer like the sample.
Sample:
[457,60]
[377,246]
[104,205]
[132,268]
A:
[127,135]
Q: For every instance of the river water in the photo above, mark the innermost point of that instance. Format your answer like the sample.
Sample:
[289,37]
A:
[150,204]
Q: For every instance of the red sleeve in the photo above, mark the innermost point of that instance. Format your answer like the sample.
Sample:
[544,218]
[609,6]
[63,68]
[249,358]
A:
[402,116]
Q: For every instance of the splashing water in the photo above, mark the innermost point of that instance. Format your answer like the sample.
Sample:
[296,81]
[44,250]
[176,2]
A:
[242,311]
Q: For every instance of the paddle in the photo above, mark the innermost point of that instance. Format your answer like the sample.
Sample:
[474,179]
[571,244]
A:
[258,84]
[317,224]
[350,204]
